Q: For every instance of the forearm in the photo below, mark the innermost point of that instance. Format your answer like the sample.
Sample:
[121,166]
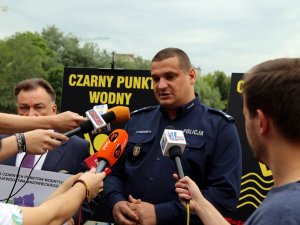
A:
[56,210]
[209,215]
[9,147]
[10,123]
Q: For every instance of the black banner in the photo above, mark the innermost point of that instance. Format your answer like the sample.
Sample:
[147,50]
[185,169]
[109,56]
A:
[256,178]
[84,88]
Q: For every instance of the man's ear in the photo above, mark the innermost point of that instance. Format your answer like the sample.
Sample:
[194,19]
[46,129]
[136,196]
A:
[54,108]
[193,75]
[263,121]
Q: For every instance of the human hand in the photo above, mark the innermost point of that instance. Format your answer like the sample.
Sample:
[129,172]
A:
[66,185]
[71,221]
[39,141]
[123,215]
[187,189]
[66,121]
[94,181]
[144,210]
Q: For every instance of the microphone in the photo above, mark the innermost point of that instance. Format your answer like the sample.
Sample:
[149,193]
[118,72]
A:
[101,109]
[117,114]
[112,149]
[172,144]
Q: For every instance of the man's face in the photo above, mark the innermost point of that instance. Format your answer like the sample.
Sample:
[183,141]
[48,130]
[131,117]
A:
[252,132]
[36,102]
[172,86]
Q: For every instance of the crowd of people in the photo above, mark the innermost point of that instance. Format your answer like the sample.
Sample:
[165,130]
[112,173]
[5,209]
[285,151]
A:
[142,188]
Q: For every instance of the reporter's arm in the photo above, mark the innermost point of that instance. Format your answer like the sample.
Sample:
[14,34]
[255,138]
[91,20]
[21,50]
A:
[61,122]
[187,189]
[64,203]
[35,142]
[57,210]
[8,148]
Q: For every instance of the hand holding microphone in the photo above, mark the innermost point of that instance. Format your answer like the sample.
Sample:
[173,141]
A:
[118,114]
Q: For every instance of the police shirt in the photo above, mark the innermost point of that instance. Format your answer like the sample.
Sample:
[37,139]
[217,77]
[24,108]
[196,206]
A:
[212,158]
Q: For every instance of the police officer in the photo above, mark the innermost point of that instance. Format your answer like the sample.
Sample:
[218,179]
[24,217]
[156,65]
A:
[141,188]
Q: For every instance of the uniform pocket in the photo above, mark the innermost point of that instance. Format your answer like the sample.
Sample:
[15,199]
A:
[138,146]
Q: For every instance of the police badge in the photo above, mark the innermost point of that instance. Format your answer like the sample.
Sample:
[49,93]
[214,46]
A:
[136,150]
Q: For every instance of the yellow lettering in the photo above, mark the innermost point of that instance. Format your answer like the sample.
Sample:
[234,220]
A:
[88,138]
[145,84]
[94,79]
[86,81]
[264,170]
[120,80]
[72,82]
[104,97]
[239,87]
[109,98]
[109,80]
[79,84]
[134,82]
[127,98]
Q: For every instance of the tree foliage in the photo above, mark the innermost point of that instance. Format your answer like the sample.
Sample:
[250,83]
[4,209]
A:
[214,89]
[26,55]
[22,56]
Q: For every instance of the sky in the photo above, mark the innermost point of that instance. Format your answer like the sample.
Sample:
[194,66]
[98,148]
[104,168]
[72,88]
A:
[229,36]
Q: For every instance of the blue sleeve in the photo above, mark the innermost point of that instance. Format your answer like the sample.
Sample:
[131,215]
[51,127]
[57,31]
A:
[225,169]
[113,185]
[172,212]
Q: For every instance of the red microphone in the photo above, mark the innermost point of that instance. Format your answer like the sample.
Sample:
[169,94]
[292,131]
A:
[112,149]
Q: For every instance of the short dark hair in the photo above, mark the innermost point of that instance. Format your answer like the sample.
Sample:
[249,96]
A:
[184,60]
[34,83]
[274,87]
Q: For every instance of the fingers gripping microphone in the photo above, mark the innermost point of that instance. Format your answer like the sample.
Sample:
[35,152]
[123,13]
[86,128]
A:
[172,144]
[112,149]
[118,114]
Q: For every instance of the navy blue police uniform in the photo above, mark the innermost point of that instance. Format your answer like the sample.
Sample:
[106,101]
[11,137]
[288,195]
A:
[212,158]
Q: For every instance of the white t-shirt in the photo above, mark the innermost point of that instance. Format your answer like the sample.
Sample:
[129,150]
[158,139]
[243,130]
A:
[10,214]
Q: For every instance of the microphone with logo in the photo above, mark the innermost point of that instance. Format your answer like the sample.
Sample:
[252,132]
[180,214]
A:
[172,144]
[110,151]
[117,114]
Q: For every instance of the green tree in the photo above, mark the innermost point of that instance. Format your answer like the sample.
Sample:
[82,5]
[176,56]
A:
[219,81]
[23,55]
[209,96]
[69,52]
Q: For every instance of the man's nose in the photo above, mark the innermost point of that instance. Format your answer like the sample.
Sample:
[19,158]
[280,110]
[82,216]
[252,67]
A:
[162,84]
[32,112]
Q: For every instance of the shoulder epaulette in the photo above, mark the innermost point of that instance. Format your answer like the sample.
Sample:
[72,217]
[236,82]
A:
[220,112]
[147,108]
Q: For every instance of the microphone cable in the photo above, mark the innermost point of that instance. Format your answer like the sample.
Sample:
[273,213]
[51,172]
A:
[17,176]
[188,215]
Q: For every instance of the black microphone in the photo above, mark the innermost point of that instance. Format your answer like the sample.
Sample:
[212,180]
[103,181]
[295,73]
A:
[172,144]
[96,121]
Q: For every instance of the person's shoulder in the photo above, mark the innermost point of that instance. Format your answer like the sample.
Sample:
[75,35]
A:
[221,113]
[78,140]
[144,109]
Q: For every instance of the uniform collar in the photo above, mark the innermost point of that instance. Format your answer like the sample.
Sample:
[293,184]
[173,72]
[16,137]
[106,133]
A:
[186,108]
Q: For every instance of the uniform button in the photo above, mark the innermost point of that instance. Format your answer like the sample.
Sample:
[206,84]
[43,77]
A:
[157,158]
[151,178]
